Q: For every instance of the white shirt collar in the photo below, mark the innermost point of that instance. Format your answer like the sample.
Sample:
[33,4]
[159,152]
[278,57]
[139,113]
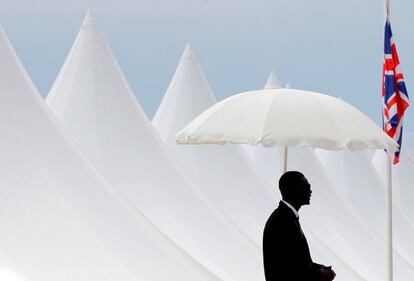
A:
[292,208]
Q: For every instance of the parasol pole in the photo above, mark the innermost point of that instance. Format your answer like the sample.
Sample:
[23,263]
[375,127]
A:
[389,218]
[285,159]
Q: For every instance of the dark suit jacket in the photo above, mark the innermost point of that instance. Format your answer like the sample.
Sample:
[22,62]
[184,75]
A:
[286,253]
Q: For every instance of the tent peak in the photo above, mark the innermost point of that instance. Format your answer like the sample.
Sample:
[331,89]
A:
[272,82]
[90,18]
[188,51]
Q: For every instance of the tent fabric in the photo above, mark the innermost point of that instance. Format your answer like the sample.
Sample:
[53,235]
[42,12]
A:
[229,183]
[402,179]
[224,173]
[409,140]
[175,110]
[98,110]
[60,219]
[272,82]
[358,183]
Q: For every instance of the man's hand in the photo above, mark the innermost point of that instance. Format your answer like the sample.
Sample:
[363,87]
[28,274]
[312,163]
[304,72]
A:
[327,273]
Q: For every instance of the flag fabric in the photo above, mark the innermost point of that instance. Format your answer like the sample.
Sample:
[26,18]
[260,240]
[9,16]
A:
[394,93]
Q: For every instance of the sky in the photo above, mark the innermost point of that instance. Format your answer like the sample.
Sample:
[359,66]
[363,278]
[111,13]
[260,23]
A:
[329,46]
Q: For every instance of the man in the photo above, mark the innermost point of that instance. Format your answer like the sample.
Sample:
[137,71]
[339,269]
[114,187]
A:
[285,249]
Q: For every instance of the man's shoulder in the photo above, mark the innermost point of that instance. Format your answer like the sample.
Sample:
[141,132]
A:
[276,215]
[282,211]
[279,216]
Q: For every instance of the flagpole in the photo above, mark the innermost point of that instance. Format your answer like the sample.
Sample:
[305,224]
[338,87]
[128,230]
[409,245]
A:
[387,9]
[389,218]
[390,254]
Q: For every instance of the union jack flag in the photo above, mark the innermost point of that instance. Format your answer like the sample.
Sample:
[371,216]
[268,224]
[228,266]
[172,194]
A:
[394,93]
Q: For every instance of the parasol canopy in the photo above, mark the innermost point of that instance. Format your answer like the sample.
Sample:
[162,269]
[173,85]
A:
[286,117]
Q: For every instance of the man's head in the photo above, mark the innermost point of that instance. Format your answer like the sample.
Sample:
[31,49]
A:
[295,188]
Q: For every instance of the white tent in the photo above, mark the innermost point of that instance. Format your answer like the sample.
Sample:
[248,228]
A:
[359,184]
[403,178]
[409,140]
[59,218]
[100,113]
[272,82]
[223,172]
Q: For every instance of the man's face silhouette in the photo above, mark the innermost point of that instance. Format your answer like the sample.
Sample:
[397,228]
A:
[295,189]
[303,192]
